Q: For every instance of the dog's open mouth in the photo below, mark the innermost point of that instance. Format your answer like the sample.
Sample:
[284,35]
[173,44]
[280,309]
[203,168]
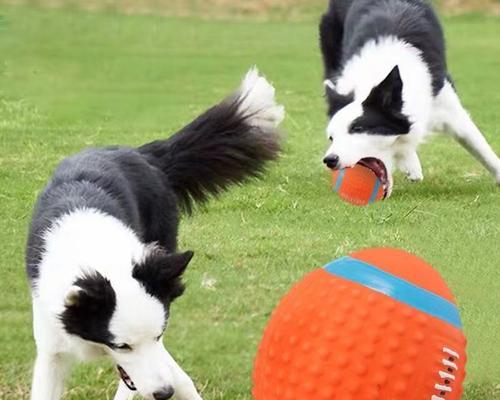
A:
[378,169]
[125,378]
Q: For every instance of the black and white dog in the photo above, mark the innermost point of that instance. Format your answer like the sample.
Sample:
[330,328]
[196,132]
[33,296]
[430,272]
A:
[388,87]
[102,256]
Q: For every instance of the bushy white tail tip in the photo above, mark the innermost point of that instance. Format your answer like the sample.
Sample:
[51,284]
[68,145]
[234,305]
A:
[258,102]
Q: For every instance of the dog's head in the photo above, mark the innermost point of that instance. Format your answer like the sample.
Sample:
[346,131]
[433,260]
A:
[368,128]
[127,315]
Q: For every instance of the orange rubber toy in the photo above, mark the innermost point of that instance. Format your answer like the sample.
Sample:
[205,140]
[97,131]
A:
[380,324]
[357,185]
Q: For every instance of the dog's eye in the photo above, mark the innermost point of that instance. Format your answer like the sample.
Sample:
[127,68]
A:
[330,139]
[357,129]
[122,346]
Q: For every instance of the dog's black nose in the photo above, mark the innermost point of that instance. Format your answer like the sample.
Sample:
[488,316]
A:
[331,161]
[164,394]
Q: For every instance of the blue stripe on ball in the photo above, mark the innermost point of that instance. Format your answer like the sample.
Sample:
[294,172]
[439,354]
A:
[373,196]
[403,291]
[340,179]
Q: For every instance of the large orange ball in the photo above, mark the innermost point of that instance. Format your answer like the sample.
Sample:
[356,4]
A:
[358,185]
[380,324]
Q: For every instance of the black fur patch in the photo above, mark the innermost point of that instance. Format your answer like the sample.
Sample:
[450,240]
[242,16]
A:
[378,123]
[330,31]
[388,94]
[382,109]
[216,150]
[92,310]
[160,274]
[337,101]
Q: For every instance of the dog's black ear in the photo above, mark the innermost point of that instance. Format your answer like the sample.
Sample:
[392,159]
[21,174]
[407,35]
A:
[177,263]
[160,273]
[89,305]
[88,290]
[388,95]
[336,101]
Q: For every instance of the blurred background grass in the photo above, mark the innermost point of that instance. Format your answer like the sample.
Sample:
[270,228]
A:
[283,9]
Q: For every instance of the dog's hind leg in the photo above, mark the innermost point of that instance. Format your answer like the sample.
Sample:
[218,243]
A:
[123,392]
[48,377]
[451,117]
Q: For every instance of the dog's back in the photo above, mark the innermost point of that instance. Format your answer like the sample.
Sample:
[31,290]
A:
[117,181]
[349,24]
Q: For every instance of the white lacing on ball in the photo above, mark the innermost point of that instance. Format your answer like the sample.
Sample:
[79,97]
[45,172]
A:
[447,375]
[451,352]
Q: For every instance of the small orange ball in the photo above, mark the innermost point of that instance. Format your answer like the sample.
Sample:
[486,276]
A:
[358,185]
[380,324]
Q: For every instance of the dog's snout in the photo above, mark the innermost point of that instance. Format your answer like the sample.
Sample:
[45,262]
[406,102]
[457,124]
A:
[164,394]
[331,161]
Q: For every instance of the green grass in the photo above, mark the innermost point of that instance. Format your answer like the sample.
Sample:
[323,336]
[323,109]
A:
[71,80]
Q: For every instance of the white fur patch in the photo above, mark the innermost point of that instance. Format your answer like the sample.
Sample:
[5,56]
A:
[138,316]
[258,102]
[81,241]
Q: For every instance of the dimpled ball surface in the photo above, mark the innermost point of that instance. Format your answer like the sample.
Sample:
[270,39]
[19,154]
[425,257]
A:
[333,339]
[357,185]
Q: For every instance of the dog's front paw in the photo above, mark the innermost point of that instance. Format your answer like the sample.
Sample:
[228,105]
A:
[411,167]
[415,176]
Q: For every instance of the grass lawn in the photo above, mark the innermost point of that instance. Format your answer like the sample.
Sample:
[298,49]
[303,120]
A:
[71,79]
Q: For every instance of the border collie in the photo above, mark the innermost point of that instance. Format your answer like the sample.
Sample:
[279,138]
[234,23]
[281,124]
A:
[387,88]
[102,253]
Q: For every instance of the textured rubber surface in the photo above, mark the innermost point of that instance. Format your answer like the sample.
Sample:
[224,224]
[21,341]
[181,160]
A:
[333,339]
[357,185]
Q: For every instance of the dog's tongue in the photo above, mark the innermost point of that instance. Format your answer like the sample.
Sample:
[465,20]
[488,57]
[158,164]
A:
[126,378]
[378,169]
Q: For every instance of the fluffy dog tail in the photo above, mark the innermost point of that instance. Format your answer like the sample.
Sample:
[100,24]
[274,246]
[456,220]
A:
[226,145]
